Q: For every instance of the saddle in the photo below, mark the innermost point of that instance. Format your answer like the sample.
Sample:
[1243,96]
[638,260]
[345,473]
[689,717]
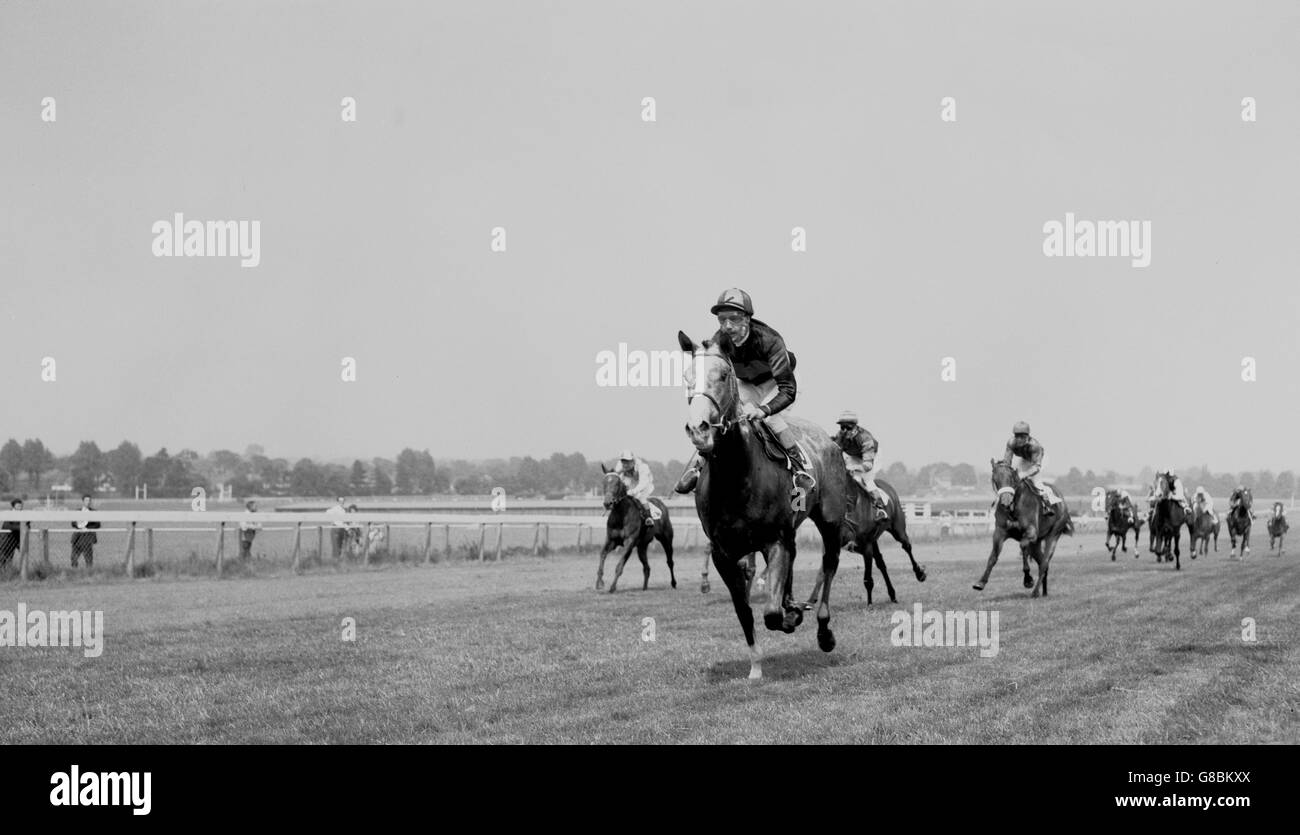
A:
[771,446]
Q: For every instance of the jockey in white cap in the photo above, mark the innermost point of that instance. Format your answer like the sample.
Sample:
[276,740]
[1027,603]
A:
[640,483]
[1026,454]
[1202,501]
[859,448]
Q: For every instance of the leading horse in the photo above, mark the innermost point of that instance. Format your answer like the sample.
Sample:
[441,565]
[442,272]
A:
[1019,515]
[1167,524]
[1239,519]
[626,526]
[747,501]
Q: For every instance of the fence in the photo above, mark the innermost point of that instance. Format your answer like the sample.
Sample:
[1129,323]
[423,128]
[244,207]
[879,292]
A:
[433,532]
[478,535]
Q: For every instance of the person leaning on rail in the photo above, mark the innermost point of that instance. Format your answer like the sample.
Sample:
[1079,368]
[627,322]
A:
[11,534]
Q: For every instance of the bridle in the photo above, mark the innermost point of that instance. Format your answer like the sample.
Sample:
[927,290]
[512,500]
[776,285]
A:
[724,423]
[1009,490]
[617,499]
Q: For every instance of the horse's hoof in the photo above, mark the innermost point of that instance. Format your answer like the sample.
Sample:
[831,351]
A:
[674,584]
[704,588]
[893,599]
[826,640]
[611,589]
[774,621]
[1029,582]
[978,587]
[793,617]
[600,584]
[755,673]
[920,575]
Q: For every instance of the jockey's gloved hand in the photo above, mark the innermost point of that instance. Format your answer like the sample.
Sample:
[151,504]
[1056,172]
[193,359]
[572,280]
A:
[752,412]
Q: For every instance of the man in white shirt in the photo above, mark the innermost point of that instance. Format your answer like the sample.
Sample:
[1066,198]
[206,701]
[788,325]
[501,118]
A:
[339,535]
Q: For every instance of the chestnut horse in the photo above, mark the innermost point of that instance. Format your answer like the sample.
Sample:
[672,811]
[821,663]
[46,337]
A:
[748,502]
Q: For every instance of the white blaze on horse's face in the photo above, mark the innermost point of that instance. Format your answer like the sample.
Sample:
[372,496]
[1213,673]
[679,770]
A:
[705,393]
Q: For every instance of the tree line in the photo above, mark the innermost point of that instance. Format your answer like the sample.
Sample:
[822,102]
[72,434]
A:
[29,466]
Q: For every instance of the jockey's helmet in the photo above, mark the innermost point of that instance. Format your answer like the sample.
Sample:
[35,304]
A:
[626,455]
[847,418]
[1021,428]
[733,298]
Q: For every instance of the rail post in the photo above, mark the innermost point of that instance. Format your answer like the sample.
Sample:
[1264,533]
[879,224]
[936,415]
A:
[221,545]
[297,545]
[130,552]
[428,542]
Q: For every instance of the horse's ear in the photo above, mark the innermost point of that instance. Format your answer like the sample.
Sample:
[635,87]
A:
[603,469]
[687,344]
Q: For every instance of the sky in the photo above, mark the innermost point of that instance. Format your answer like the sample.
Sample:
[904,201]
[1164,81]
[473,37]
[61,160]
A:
[924,236]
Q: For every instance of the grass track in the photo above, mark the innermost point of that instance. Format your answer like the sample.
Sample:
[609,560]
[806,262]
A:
[526,651]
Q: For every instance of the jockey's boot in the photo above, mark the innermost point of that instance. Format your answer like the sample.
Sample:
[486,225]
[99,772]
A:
[878,502]
[802,466]
[690,476]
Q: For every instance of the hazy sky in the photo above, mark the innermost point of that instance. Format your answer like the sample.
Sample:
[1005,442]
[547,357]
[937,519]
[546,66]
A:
[924,237]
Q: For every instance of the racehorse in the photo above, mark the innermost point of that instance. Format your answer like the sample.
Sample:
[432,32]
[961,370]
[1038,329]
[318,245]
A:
[862,533]
[1201,525]
[1019,515]
[745,499]
[626,527]
[1239,519]
[1120,517]
[1277,528]
[1167,524]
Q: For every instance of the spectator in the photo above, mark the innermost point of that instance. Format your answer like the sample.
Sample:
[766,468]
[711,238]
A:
[247,531]
[339,535]
[83,543]
[11,534]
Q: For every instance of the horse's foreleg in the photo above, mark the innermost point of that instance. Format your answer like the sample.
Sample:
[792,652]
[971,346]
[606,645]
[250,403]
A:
[998,538]
[773,613]
[730,571]
[817,589]
[618,570]
[830,564]
[1045,550]
[600,569]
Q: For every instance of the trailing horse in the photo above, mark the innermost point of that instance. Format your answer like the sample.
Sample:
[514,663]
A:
[1167,524]
[862,531]
[1019,515]
[1120,519]
[1201,525]
[1277,528]
[626,527]
[1239,519]
[747,501]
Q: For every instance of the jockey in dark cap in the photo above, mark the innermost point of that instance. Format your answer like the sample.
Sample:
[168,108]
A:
[1029,451]
[764,374]
[859,448]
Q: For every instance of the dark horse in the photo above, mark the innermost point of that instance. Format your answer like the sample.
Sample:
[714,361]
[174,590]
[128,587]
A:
[1239,519]
[747,501]
[1167,524]
[628,528]
[862,533]
[1120,518]
[1020,516]
[1277,528]
[1201,525]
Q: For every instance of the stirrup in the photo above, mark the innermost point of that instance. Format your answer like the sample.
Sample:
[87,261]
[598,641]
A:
[812,482]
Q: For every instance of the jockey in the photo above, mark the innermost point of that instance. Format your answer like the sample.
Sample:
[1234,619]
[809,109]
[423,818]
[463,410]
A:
[1175,485]
[859,448]
[1235,500]
[1202,501]
[1279,512]
[640,483]
[1030,453]
[764,376]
